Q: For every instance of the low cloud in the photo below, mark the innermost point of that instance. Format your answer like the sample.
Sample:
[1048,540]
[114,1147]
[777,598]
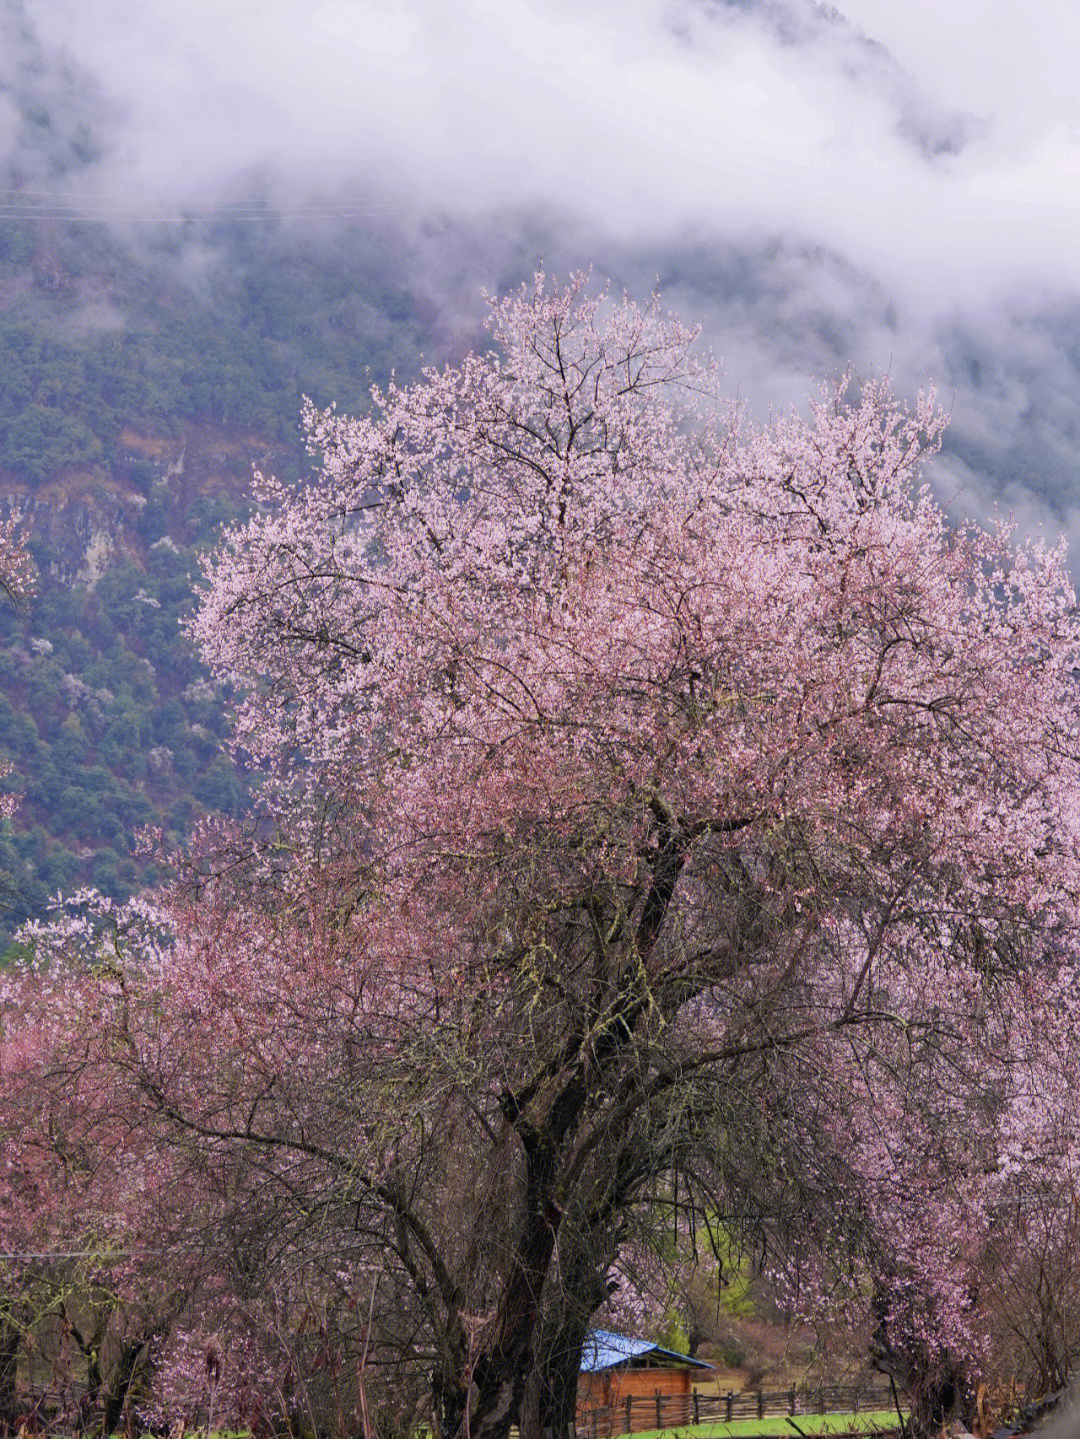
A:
[896,185]
[647,119]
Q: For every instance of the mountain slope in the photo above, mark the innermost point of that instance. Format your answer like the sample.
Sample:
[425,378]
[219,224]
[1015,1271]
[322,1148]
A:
[138,386]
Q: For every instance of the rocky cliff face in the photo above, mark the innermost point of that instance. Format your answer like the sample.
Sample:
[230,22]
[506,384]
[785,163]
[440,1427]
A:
[174,492]
[83,534]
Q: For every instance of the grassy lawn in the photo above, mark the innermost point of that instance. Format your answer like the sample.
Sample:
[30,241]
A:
[781,1428]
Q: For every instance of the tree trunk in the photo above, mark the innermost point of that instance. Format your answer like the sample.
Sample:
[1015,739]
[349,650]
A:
[549,1408]
[526,1373]
[560,1374]
[934,1390]
[116,1395]
[485,1411]
[10,1342]
[934,1404]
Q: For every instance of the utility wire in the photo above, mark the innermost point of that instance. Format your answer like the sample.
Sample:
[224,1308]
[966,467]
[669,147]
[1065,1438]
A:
[95,1253]
[77,206]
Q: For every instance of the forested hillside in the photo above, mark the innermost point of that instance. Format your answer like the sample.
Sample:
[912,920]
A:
[140,380]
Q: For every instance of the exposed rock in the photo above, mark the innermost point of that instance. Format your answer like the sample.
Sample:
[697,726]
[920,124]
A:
[96,557]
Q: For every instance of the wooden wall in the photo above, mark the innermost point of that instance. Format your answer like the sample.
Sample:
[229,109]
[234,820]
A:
[612,1386]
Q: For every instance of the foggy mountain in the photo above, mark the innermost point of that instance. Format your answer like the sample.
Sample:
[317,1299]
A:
[206,214]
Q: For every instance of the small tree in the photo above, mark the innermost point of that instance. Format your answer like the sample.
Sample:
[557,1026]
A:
[87,1217]
[1031,1279]
[16,567]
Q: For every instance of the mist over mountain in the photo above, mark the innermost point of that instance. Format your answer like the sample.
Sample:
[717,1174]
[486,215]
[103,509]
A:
[207,213]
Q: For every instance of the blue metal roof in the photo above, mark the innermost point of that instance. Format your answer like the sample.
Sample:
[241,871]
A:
[605,1350]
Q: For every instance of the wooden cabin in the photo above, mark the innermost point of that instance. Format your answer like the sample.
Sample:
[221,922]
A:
[616,1368]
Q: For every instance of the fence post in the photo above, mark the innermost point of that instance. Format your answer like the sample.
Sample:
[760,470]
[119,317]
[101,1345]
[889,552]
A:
[697,1418]
[791,1400]
[761,1404]
[727,1405]
[659,1423]
[855,1401]
[629,1421]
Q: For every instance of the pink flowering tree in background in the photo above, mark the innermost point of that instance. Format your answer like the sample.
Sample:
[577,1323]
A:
[958,1196]
[659,810]
[87,1213]
[1031,1276]
[189,1088]
[16,567]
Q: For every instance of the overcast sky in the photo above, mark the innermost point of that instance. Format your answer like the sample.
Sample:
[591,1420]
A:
[890,183]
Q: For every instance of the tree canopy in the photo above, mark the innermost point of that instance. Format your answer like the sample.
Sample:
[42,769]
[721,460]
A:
[662,811]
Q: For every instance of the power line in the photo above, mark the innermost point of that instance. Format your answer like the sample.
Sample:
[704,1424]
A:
[85,1254]
[77,206]
[25,1257]
[122,217]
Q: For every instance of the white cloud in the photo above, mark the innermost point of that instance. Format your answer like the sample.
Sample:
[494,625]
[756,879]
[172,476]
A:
[899,174]
[645,118]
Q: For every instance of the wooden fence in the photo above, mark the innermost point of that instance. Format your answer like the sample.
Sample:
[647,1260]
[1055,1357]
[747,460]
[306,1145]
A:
[636,1413]
[631,1415]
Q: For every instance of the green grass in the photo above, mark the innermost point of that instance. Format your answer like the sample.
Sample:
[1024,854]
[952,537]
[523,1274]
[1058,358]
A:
[780,1427]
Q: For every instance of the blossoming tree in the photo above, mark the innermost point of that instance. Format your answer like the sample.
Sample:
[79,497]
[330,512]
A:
[16,567]
[657,805]
[87,1215]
